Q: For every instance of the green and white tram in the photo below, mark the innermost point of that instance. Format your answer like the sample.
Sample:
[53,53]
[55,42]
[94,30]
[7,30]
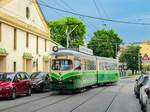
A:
[72,70]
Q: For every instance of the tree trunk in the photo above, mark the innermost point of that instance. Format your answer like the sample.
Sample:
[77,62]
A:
[132,72]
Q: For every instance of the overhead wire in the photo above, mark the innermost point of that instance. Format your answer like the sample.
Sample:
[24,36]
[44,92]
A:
[98,10]
[93,17]
[66,4]
[103,9]
[83,18]
[57,12]
[59,5]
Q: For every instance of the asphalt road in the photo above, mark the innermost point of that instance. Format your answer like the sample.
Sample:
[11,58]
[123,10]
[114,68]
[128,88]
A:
[112,98]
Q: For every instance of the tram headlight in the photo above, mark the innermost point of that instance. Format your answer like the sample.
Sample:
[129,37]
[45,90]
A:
[71,81]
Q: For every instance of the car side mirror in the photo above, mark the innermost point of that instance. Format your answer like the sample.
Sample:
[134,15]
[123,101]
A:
[147,91]
[17,80]
[142,84]
[49,79]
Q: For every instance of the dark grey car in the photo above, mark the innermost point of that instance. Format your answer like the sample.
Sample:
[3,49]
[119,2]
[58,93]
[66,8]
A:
[40,81]
[139,83]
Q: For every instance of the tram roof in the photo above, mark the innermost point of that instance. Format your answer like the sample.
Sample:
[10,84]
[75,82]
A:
[107,59]
[76,53]
[71,52]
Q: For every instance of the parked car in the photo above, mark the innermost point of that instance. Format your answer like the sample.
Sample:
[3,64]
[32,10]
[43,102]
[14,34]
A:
[138,84]
[143,94]
[40,81]
[14,84]
[147,90]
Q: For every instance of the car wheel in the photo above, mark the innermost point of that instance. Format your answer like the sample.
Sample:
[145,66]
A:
[146,107]
[140,101]
[136,95]
[143,107]
[43,88]
[29,92]
[13,94]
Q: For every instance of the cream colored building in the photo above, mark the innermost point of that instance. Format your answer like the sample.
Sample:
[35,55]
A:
[145,53]
[24,37]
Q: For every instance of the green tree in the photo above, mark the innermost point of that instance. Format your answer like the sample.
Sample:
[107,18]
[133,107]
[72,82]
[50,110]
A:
[132,58]
[105,43]
[71,25]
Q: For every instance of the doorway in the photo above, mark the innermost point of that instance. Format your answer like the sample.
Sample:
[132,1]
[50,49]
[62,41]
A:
[2,63]
[46,66]
[27,65]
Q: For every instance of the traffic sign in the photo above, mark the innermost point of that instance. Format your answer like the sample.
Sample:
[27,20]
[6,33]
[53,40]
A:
[145,57]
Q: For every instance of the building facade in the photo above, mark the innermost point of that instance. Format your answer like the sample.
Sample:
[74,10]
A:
[24,37]
[145,53]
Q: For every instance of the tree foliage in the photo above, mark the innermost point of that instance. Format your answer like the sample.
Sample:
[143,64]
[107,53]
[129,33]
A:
[132,58]
[105,43]
[59,28]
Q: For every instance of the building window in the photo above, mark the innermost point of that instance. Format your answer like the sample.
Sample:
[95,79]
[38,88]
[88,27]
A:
[15,38]
[27,40]
[0,31]
[14,66]
[45,45]
[27,12]
[37,45]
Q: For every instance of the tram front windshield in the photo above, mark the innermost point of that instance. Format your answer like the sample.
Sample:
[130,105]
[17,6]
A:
[62,65]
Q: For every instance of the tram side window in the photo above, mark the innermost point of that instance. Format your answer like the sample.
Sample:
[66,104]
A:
[101,66]
[77,65]
[90,65]
[116,66]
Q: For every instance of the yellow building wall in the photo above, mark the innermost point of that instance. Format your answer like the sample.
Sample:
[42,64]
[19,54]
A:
[17,55]
[13,15]
[145,49]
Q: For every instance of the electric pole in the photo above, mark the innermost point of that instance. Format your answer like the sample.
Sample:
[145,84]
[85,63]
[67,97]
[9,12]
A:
[68,34]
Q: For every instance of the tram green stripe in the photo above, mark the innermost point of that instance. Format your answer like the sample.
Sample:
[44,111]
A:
[55,76]
[70,74]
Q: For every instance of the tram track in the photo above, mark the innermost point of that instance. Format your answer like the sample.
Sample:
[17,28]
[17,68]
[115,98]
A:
[85,101]
[50,104]
[108,107]
[59,101]
[113,99]
[24,103]
[32,101]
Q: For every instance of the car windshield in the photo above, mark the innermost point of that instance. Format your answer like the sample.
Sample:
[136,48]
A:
[37,76]
[6,77]
[62,65]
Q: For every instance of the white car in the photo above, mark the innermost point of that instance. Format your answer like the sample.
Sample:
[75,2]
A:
[143,95]
[147,107]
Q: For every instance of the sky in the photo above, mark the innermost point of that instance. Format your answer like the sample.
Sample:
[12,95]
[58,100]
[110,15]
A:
[124,10]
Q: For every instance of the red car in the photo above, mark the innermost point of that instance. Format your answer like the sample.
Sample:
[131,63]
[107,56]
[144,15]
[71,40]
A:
[14,84]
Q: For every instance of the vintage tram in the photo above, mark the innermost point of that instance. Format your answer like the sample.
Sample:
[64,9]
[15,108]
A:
[72,70]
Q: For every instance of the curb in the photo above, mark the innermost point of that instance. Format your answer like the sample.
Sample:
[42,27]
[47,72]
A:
[126,77]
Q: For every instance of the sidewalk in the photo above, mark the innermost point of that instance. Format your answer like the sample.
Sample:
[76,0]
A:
[125,77]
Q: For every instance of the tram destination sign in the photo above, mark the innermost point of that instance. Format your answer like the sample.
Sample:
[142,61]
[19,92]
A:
[85,50]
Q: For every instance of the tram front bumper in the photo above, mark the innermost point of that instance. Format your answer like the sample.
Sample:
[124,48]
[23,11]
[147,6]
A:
[61,86]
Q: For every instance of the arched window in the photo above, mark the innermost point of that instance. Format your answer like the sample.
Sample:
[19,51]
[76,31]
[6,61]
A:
[27,12]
